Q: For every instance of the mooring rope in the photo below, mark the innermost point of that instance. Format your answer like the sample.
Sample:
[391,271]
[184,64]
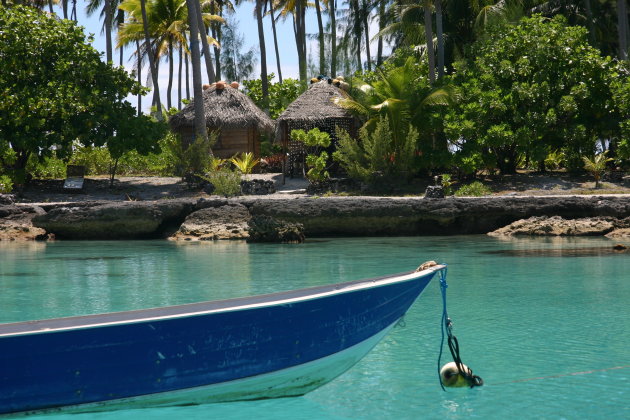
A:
[453,344]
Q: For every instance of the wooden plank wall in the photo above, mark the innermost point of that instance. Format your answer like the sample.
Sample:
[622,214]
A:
[236,141]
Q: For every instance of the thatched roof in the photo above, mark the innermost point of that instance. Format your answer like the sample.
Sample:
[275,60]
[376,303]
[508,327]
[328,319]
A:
[315,105]
[224,108]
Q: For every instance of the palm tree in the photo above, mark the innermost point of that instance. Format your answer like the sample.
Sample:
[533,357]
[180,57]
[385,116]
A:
[297,9]
[622,28]
[596,166]
[152,64]
[200,119]
[275,38]
[166,27]
[320,26]
[391,96]
[263,53]
[428,33]
[333,37]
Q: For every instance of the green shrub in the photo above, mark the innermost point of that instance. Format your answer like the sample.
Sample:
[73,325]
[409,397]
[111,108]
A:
[192,158]
[49,168]
[474,189]
[317,159]
[226,182]
[6,184]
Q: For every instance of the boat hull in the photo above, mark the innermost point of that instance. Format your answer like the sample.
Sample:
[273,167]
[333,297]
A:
[278,345]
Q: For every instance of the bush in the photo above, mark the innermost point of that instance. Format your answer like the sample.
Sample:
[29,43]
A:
[48,168]
[474,189]
[225,182]
[194,158]
[6,184]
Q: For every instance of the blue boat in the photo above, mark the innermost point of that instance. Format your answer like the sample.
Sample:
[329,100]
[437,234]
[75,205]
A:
[277,345]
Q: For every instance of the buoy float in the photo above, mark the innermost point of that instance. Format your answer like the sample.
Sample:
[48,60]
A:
[220,85]
[451,376]
[206,86]
[314,80]
[235,85]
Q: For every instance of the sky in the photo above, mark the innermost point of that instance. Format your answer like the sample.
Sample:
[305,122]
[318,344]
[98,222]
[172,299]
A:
[247,27]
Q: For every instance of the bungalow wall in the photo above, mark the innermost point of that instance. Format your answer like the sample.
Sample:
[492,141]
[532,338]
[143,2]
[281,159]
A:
[231,141]
[234,141]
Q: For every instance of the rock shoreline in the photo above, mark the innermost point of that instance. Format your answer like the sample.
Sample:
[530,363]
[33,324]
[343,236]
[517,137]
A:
[320,216]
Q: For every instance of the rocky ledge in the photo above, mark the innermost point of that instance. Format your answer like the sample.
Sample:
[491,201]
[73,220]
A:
[557,226]
[323,216]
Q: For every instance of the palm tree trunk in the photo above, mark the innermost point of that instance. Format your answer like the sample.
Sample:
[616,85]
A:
[204,43]
[365,12]
[169,88]
[187,76]
[217,51]
[356,31]
[320,27]
[275,40]
[200,118]
[622,27]
[589,21]
[120,19]
[263,55]
[50,6]
[108,31]
[64,7]
[179,77]
[440,37]
[381,25]
[152,66]
[333,39]
[428,33]
[300,38]
[139,76]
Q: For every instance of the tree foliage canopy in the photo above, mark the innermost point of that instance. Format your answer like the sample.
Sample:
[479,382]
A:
[56,91]
[533,88]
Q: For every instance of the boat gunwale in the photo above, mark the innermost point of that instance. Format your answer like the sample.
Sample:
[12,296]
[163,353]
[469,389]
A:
[203,308]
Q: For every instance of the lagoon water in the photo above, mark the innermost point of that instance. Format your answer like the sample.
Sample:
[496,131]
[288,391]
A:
[546,323]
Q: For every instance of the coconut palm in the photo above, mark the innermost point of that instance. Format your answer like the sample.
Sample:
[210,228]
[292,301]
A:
[596,166]
[391,96]
[263,52]
[271,13]
[297,10]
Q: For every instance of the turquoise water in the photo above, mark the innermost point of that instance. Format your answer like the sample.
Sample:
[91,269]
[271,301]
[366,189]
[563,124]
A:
[546,323]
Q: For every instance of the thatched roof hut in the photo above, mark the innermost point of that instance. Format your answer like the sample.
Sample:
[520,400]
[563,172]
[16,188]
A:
[234,114]
[314,109]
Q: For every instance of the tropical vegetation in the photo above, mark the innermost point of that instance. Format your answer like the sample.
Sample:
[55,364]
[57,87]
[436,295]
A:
[470,88]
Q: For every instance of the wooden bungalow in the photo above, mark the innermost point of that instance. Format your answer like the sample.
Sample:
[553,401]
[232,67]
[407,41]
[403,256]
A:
[239,121]
[313,109]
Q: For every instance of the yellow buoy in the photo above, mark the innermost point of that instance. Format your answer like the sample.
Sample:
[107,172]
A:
[451,377]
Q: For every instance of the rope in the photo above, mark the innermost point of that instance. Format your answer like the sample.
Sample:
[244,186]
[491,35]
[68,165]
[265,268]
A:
[453,344]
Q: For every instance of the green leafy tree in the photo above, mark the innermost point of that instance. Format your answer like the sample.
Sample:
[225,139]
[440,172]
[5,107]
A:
[57,91]
[281,94]
[533,88]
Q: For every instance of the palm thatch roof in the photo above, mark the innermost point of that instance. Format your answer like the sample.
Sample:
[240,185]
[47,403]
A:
[315,105]
[224,108]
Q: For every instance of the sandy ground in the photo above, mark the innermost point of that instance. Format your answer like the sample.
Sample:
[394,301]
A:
[160,188]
